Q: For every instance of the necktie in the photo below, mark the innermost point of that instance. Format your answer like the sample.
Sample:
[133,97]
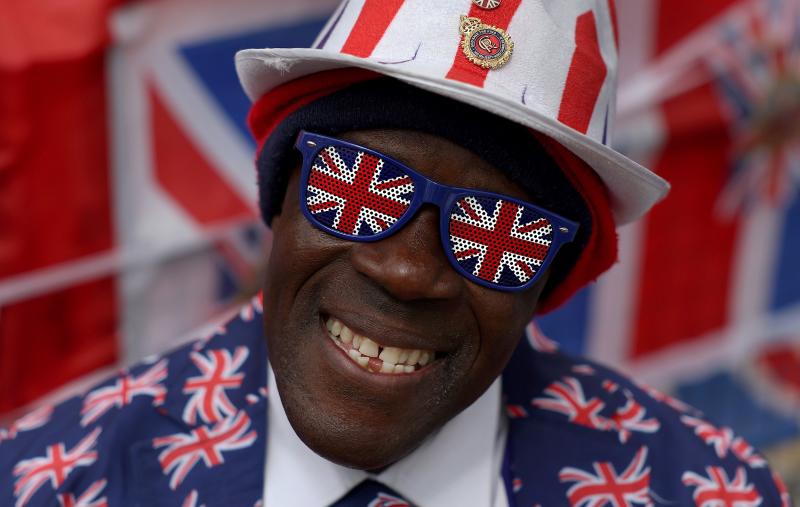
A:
[371,494]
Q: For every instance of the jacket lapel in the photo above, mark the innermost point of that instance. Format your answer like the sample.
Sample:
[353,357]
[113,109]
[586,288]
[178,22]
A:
[211,444]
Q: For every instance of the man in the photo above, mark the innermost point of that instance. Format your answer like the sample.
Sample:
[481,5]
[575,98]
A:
[435,173]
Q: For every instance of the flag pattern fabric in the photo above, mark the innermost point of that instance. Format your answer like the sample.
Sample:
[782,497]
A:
[567,418]
[570,90]
[733,340]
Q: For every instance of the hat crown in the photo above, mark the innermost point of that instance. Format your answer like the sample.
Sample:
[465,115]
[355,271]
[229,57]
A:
[556,57]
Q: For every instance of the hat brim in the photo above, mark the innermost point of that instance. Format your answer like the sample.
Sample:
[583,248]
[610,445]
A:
[633,189]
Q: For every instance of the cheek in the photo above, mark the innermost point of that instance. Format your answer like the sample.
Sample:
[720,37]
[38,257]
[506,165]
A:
[502,318]
[299,252]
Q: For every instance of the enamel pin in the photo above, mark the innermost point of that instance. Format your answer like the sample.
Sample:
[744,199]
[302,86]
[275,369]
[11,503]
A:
[487,4]
[485,45]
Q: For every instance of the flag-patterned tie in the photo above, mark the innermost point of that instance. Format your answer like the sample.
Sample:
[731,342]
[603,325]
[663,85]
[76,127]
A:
[372,494]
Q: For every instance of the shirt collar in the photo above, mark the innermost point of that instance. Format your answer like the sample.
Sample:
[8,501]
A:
[457,465]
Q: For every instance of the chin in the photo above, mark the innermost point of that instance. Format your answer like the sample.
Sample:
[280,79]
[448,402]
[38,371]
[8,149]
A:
[351,415]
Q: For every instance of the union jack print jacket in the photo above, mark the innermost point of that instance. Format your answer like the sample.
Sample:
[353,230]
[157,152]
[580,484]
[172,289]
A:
[190,429]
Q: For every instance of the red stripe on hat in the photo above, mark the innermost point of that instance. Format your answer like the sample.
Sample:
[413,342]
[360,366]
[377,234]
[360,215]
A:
[372,23]
[586,76]
[465,71]
[612,9]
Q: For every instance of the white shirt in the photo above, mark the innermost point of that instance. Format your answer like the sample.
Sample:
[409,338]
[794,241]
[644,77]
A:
[458,465]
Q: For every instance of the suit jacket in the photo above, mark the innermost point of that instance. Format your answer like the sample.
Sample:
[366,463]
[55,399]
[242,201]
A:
[190,428]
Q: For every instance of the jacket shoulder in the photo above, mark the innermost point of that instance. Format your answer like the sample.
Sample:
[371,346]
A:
[79,447]
[594,417]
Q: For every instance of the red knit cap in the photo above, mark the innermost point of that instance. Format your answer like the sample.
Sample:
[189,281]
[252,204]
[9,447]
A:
[600,252]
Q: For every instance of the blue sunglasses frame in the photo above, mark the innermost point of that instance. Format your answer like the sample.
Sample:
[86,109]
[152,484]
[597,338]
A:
[427,191]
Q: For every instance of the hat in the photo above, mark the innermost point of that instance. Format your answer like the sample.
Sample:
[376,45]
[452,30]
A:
[546,64]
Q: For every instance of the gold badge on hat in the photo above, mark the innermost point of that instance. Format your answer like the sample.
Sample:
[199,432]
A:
[485,45]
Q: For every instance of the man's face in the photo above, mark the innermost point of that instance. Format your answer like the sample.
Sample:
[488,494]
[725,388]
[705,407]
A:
[398,292]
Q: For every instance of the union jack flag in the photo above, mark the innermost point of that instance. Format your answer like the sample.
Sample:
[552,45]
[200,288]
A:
[607,488]
[516,411]
[184,451]
[630,418]
[566,397]
[538,340]
[386,500]
[745,452]
[248,312]
[191,499]
[720,438]
[756,65]
[716,490]
[88,498]
[610,386]
[219,372]
[31,421]
[498,240]
[665,398]
[55,466]
[583,369]
[357,193]
[122,392]
[784,492]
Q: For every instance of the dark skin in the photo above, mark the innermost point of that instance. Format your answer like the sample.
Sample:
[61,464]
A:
[401,292]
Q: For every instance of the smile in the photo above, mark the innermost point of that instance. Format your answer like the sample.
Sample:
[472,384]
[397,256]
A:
[372,356]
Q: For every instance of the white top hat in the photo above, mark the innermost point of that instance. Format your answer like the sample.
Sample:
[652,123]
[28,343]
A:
[548,64]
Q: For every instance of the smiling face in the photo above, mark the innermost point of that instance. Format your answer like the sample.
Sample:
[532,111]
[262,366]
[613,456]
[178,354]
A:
[400,292]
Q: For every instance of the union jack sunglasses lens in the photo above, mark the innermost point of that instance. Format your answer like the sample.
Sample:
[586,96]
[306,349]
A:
[493,240]
[356,193]
[498,241]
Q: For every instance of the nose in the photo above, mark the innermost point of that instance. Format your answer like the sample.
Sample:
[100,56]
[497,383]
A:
[410,264]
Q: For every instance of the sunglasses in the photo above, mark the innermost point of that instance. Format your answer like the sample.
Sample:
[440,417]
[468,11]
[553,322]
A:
[358,194]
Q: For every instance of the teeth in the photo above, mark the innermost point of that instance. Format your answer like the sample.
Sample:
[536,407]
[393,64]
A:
[368,348]
[404,353]
[346,335]
[424,358]
[369,355]
[391,354]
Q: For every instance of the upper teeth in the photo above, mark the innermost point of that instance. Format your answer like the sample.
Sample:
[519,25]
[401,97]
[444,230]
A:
[373,357]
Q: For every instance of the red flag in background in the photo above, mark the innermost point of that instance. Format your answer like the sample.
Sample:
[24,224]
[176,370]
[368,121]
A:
[54,192]
[127,193]
[705,301]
